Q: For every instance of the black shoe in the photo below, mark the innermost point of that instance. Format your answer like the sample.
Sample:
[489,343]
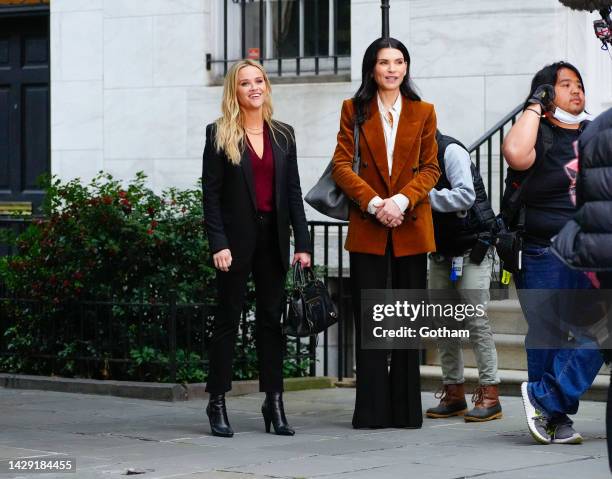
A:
[217,415]
[274,413]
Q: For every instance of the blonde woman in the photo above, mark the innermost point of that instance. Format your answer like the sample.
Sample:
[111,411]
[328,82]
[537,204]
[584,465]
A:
[252,197]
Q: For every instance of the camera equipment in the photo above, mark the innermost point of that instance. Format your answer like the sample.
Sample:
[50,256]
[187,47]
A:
[603,31]
[480,249]
[603,26]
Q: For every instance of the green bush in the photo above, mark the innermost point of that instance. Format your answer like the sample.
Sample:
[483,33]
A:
[130,247]
[104,241]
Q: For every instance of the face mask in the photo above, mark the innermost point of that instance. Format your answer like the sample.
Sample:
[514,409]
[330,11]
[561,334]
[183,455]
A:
[568,118]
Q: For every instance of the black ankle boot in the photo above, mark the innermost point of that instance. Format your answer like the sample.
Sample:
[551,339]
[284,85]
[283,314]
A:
[274,413]
[217,415]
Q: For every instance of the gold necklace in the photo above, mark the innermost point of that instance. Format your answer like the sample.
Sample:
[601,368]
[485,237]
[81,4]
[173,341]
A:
[254,131]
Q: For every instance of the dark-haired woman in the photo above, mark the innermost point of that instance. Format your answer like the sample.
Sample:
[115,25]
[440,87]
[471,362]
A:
[390,227]
[542,141]
[252,197]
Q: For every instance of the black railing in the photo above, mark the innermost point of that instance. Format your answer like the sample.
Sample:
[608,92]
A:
[288,37]
[327,239]
[86,336]
[489,146]
[10,227]
[493,170]
[125,340]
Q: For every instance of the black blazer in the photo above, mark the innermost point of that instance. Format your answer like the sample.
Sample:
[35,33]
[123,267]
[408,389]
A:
[230,208]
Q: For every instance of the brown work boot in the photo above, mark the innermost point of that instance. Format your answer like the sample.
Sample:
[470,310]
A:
[486,404]
[452,402]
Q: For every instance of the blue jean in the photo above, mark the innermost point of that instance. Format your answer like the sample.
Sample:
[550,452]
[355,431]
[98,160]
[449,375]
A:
[558,377]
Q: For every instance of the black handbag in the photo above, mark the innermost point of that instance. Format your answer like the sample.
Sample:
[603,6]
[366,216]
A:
[509,245]
[311,309]
[326,196]
[509,225]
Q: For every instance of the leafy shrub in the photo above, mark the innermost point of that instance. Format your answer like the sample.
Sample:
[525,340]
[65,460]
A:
[103,241]
[93,283]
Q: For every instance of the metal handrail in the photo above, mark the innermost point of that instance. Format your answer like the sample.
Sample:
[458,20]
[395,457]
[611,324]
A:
[510,117]
[494,149]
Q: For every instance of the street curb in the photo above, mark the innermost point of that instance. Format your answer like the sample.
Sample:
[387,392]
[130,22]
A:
[129,389]
[240,388]
[147,390]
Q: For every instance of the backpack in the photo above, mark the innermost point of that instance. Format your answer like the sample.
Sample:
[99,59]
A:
[511,207]
[454,234]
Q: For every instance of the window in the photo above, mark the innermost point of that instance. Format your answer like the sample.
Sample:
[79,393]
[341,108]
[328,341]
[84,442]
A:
[290,37]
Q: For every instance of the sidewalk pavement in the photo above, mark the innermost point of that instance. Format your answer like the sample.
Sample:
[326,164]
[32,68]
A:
[109,436]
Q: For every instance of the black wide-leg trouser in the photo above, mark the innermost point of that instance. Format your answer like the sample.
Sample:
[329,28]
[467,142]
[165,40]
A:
[388,395]
[269,276]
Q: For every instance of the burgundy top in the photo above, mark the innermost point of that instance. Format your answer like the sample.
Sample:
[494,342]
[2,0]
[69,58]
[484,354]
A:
[263,173]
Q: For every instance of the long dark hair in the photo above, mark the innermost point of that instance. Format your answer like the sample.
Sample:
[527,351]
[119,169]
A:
[548,75]
[368,88]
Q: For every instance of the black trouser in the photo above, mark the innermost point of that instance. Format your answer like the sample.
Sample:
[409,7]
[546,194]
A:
[269,276]
[386,397]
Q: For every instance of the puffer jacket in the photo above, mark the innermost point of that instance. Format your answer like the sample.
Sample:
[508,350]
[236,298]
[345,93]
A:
[585,242]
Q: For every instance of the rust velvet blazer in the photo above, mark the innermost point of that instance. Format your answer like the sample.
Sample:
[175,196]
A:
[415,172]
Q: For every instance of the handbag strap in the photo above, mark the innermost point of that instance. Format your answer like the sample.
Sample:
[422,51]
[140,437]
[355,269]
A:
[309,275]
[298,275]
[515,204]
[356,154]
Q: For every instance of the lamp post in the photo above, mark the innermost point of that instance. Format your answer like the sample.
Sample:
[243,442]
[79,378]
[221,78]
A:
[384,6]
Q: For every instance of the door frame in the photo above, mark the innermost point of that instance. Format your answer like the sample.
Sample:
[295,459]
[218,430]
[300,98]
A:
[32,9]
[24,11]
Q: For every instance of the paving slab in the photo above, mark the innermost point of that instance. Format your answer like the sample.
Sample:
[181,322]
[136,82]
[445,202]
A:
[110,436]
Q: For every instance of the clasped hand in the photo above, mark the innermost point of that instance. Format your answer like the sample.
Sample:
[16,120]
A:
[389,214]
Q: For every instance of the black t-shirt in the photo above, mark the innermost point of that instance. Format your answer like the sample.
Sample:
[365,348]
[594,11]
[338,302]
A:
[550,194]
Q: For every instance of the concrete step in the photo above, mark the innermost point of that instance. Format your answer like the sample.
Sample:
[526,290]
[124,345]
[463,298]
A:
[509,328]
[510,385]
[506,317]
[510,352]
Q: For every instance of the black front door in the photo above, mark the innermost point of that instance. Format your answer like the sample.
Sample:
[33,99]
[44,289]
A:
[24,107]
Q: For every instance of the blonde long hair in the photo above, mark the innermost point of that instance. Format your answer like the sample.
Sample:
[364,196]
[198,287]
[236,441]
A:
[230,135]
